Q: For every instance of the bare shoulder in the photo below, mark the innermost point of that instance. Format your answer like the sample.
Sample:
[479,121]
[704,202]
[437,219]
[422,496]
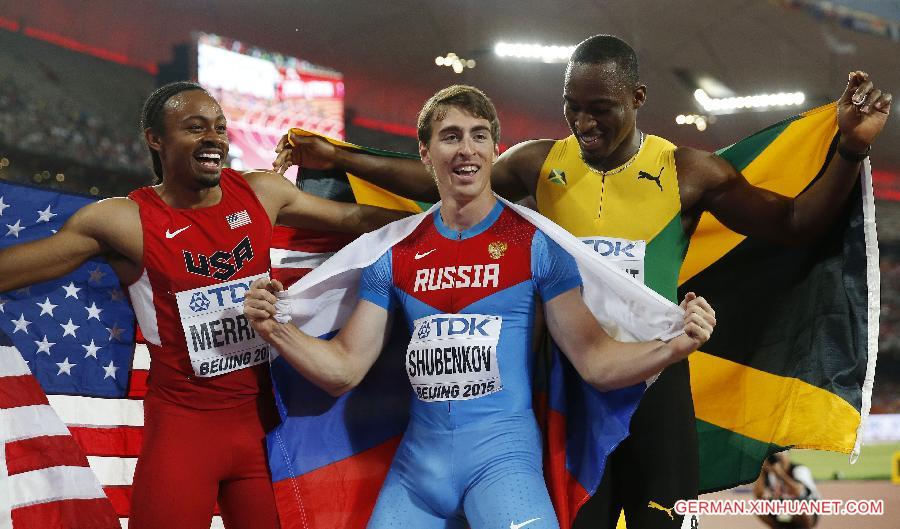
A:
[107,219]
[273,190]
[263,181]
[522,163]
[703,168]
[701,174]
[527,156]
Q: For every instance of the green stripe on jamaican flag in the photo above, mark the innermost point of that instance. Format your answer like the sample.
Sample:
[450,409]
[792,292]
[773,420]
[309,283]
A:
[364,192]
[793,356]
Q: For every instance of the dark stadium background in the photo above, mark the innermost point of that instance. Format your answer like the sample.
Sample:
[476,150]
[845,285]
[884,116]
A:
[73,75]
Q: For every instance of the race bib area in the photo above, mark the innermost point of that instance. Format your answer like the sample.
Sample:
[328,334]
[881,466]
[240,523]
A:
[218,336]
[626,254]
[454,357]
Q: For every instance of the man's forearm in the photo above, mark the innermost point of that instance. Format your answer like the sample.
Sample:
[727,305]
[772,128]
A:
[815,210]
[323,362]
[369,218]
[617,364]
[34,262]
[406,177]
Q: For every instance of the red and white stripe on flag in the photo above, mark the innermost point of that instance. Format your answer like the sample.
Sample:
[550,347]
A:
[45,479]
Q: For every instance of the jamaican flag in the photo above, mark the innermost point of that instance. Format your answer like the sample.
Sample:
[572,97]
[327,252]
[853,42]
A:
[361,191]
[792,360]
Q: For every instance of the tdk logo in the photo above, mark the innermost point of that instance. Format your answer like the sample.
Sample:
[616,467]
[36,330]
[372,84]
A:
[199,302]
[454,326]
[221,265]
[424,330]
[608,248]
[223,295]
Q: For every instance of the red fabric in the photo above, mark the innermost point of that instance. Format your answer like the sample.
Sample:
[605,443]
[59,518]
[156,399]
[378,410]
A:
[119,441]
[567,494]
[191,458]
[516,258]
[21,391]
[206,232]
[358,477]
[69,514]
[41,452]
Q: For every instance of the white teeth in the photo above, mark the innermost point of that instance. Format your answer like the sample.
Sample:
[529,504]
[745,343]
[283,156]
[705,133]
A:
[467,169]
[211,156]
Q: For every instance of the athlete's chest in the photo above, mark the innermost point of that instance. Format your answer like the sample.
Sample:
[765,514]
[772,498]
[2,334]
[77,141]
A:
[452,274]
[191,248]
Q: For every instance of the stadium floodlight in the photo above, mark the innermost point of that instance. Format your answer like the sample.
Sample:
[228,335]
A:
[455,62]
[726,105]
[701,122]
[537,52]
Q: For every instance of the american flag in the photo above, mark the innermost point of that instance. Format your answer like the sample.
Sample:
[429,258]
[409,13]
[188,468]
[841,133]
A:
[42,468]
[77,336]
[238,219]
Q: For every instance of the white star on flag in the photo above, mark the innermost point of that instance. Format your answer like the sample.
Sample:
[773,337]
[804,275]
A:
[21,324]
[65,367]
[2,302]
[93,311]
[110,370]
[116,294]
[46,307]
[45,215]
[69,328]
[115,333]
[96,275]
[14,229]
[91,349]
[44,345]
[71,290]
[3,206]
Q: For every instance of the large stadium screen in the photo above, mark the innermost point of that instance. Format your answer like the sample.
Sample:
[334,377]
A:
[263,94]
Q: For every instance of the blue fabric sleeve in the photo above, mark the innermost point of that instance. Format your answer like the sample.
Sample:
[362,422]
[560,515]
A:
[376,284]
[553,270]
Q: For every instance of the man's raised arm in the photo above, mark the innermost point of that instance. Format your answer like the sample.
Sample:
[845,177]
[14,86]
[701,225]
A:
[406,177]
[709,183]
[291,207]
[82,237]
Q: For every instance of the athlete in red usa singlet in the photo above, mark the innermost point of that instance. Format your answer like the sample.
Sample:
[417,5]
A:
[467,279]
[197,265]
[188,249]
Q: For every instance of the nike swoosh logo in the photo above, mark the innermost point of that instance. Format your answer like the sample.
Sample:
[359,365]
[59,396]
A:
[518,525]
[421,255]
[170,234]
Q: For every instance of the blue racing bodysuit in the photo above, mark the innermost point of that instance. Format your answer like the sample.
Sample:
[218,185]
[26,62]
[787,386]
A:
[472,450]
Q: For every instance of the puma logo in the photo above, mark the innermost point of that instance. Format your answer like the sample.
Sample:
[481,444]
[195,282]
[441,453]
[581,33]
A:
[654,505]
[648,176]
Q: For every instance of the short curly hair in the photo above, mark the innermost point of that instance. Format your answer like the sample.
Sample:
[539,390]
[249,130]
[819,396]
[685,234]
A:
[465,97]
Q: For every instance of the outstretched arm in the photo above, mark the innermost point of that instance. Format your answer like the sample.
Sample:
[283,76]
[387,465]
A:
[608,364]
[82,237]
[709,183]
[290,206]
[403,176]
[336,365]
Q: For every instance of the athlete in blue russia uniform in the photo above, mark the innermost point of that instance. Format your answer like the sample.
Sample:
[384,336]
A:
[468,280]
